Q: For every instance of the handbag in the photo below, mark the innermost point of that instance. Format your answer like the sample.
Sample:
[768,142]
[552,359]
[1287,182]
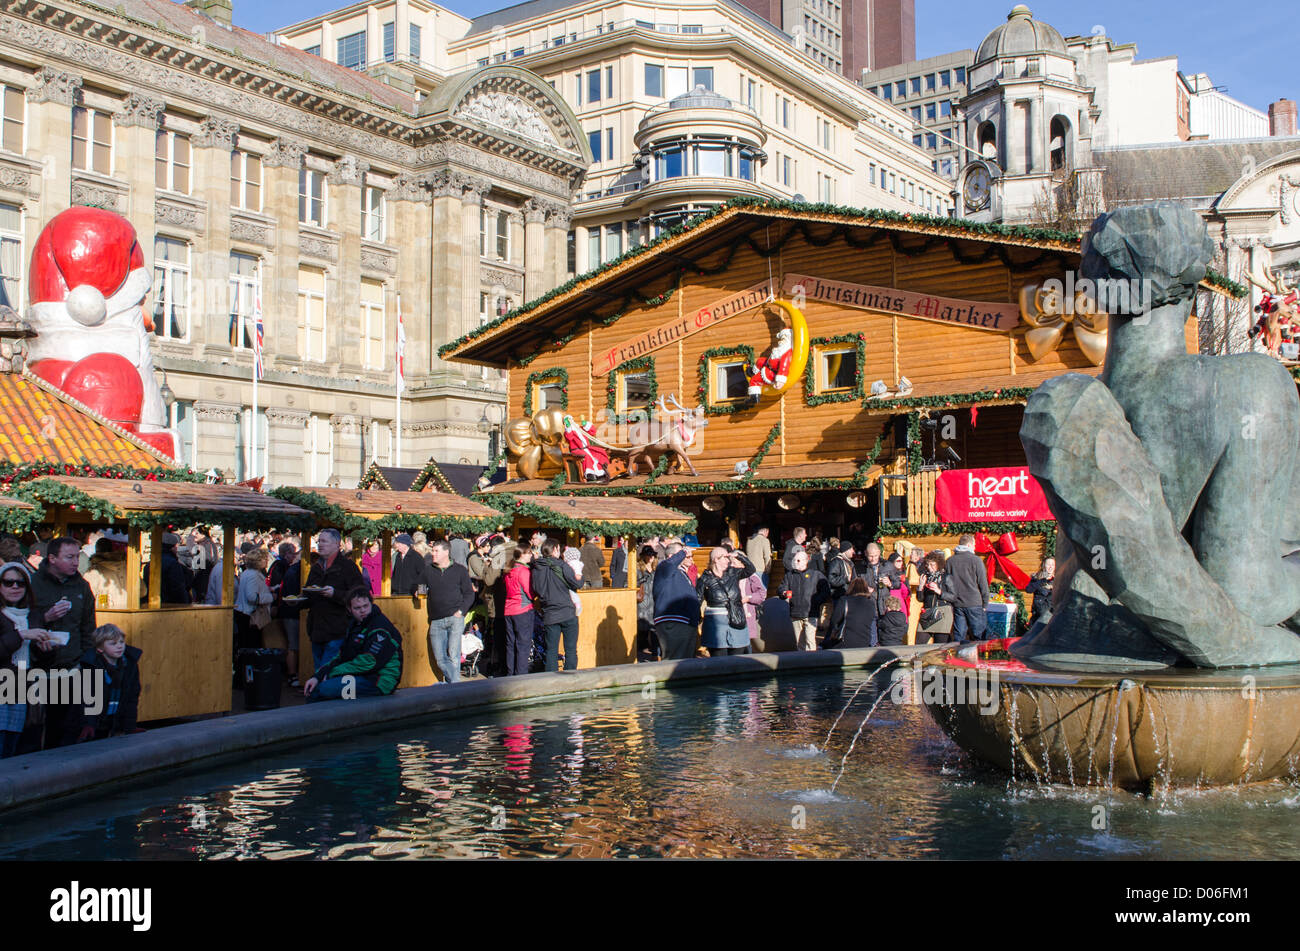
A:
[260,617]
[936,620]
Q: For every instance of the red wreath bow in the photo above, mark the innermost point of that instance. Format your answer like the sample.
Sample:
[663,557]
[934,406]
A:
[997,551]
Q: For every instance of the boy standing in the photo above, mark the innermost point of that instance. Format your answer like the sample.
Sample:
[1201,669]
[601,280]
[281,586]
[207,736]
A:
[117,667]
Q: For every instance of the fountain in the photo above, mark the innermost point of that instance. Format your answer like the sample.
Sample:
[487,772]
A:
[1171,657]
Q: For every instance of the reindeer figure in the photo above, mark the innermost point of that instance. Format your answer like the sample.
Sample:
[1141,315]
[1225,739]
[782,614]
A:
[676,432]
[1277,310]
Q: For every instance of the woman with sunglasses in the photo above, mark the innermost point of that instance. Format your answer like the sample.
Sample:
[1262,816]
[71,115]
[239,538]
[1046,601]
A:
[15,636]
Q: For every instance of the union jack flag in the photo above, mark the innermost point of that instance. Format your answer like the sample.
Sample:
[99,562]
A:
[258,338]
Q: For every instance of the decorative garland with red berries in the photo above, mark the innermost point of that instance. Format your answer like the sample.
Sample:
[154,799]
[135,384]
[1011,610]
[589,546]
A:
[745,353]
[813,398]
[555,375]
[613,417]
[11,472]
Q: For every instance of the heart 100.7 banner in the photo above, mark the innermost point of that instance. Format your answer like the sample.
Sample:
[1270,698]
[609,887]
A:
[1008,494]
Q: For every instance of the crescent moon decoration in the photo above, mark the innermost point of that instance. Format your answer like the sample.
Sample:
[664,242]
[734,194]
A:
[798,344]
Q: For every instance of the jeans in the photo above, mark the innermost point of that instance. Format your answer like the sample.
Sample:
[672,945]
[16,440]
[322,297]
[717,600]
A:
[322,654]
[569,630]
[519,641]
[332,689]
[444,646]
[969,624]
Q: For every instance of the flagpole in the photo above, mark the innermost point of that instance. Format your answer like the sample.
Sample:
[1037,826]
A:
[397,371]
[252,422]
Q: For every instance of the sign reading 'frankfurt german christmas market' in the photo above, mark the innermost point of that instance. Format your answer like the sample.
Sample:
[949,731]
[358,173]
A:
[980,315]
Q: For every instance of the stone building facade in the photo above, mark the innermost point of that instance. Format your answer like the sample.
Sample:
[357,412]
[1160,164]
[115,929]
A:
[263,179]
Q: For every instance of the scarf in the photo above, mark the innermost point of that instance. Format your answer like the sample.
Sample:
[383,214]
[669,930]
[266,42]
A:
[22,656]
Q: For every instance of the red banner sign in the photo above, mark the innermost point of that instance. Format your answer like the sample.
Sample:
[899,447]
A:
[994,495]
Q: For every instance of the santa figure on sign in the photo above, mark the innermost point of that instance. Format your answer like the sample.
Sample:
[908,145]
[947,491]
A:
[772,369]
[591,456]
[89,281]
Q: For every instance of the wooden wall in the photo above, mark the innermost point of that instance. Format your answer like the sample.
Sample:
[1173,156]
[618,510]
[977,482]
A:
[926,352]
[185,667]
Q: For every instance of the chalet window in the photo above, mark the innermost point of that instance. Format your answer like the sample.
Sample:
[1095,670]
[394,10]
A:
[837,369]
[549,394]
[728,380]
[633,388]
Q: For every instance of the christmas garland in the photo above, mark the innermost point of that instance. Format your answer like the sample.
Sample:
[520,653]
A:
[660,468]
[914,456]
[50,492]
[1040,527]
[555,375]
[952,400]
[491,470]
[743,351]
[326,513]
[813,398]
[431,471]
[11,472]
[15,520]
[1218,280]
[519,505]
[772,436]
[613,416]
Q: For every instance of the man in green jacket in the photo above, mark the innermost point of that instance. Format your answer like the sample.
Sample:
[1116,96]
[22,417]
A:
[64,605]
[369,664]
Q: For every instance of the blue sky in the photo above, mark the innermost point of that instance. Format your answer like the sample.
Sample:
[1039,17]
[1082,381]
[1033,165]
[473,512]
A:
[1253,61]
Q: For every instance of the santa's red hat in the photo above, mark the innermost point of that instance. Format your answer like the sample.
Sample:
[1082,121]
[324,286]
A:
[88,260]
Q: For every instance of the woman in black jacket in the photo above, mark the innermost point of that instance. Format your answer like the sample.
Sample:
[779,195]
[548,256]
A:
[725,629]
[15,602]
[936,613]
[853,624]
[1041,588]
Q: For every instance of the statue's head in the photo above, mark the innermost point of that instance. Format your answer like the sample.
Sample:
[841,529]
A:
[1159,249]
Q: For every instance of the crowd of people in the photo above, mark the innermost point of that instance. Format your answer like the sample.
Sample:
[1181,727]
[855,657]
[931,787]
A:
[495,606]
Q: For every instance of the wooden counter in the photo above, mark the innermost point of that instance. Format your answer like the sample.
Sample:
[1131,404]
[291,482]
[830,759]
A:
[185,668]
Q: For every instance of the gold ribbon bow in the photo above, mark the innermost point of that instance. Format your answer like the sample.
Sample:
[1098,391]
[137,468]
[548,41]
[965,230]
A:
[538,443]
[1045,312]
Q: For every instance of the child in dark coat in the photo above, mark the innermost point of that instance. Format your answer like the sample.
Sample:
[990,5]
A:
[118,668]
[893,625]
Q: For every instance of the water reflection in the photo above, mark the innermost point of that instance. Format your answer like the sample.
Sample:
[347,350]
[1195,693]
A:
[709,771]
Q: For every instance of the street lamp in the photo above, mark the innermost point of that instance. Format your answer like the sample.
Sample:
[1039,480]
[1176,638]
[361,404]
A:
[167,393]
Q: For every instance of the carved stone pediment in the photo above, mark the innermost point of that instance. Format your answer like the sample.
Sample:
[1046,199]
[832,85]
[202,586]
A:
[508,112]
[322,245]
[255,229]
[96,191]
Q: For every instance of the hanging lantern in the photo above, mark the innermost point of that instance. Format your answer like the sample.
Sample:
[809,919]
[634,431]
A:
[713,503]
[856,499]
[789,502]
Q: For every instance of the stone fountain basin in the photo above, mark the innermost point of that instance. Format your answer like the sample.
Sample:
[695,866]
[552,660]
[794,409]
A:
[1174,728]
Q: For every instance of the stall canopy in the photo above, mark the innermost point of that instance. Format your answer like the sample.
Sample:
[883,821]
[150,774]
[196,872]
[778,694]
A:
[148,504]
[595,515]
[16,515]
[370,512]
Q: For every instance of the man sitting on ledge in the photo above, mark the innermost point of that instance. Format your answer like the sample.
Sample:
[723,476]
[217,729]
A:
[369,664]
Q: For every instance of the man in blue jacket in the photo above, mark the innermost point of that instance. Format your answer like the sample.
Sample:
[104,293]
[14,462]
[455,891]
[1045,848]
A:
[677,606]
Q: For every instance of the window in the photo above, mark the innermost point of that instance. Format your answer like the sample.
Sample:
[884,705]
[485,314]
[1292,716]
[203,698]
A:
[702,76]
[916,85]
[245,181]
[728,380]
[503,235]
[930,112]
[313,50]
[372,214]
[828,135]
[837,369]
[171,288]
[887,91]
[92,140]
[415,43]
[172,162]
[916,113]
[825,188]
[668,163]
[182,423]
[311,314]
[787,113]
[900,89]
[548,394]
[11,254]
[613,240]
[787,171]
[872,177]
[389,36]
[609,82]
[633,234]
[929,82]
[374,337]
[245,292]
[11,125]
[713,159]
[945,79]
[318,450]
[916,139]
[609,145]
[352,50]
[483,61]
[516,53]
[311,197]
[677,77]
[381,442]
[945,109]
[593,139]
[960,73]
[593,86]
[693,28]
[931,141]
[482,231]
[593,246]
[558,41]
[633,391]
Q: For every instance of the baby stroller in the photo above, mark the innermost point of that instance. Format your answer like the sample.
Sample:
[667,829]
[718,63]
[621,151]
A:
[471,645]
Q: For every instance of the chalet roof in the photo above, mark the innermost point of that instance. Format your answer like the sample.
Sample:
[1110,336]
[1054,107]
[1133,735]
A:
[595,515]
[40,423]
[642,271]
[184,501]
[380,503]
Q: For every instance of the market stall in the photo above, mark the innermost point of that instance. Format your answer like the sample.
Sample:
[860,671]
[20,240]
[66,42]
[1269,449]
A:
[607,624]
[381,514]
[186,664]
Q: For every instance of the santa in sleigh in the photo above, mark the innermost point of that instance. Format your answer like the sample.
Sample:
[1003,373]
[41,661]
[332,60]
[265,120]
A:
[593,458]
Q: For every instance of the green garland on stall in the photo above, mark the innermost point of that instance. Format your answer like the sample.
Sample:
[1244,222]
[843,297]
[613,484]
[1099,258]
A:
[813,398]
[951,400]
[15,520]
[514,506]
[491,470]
[11,472]
[1225,283]
[326,513]
[772,436]
[660,468]
[914,456]
[655,301]
[50,492]
[702,371]
[1040,527]
[613,416]
[556,375]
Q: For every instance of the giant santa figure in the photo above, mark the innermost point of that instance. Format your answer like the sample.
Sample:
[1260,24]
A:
[772,369]
[88,284]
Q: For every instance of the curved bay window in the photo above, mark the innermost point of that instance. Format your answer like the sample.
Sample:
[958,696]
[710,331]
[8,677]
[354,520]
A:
[708,157]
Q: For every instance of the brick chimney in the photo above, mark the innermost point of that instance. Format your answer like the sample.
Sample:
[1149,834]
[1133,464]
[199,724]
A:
[218,10]
[1282,117]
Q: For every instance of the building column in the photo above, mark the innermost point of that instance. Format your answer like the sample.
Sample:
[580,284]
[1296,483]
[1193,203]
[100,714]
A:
[49,121]
[285,430]
[557,246]
[135,127]
[280,170]
[446,271]
[580,260]
[216,435]
[343,306]
[470,259]
[374,38]
[210,258]
[348,462]
[539,271]
[402,31]
[409,204]
[1035,161]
